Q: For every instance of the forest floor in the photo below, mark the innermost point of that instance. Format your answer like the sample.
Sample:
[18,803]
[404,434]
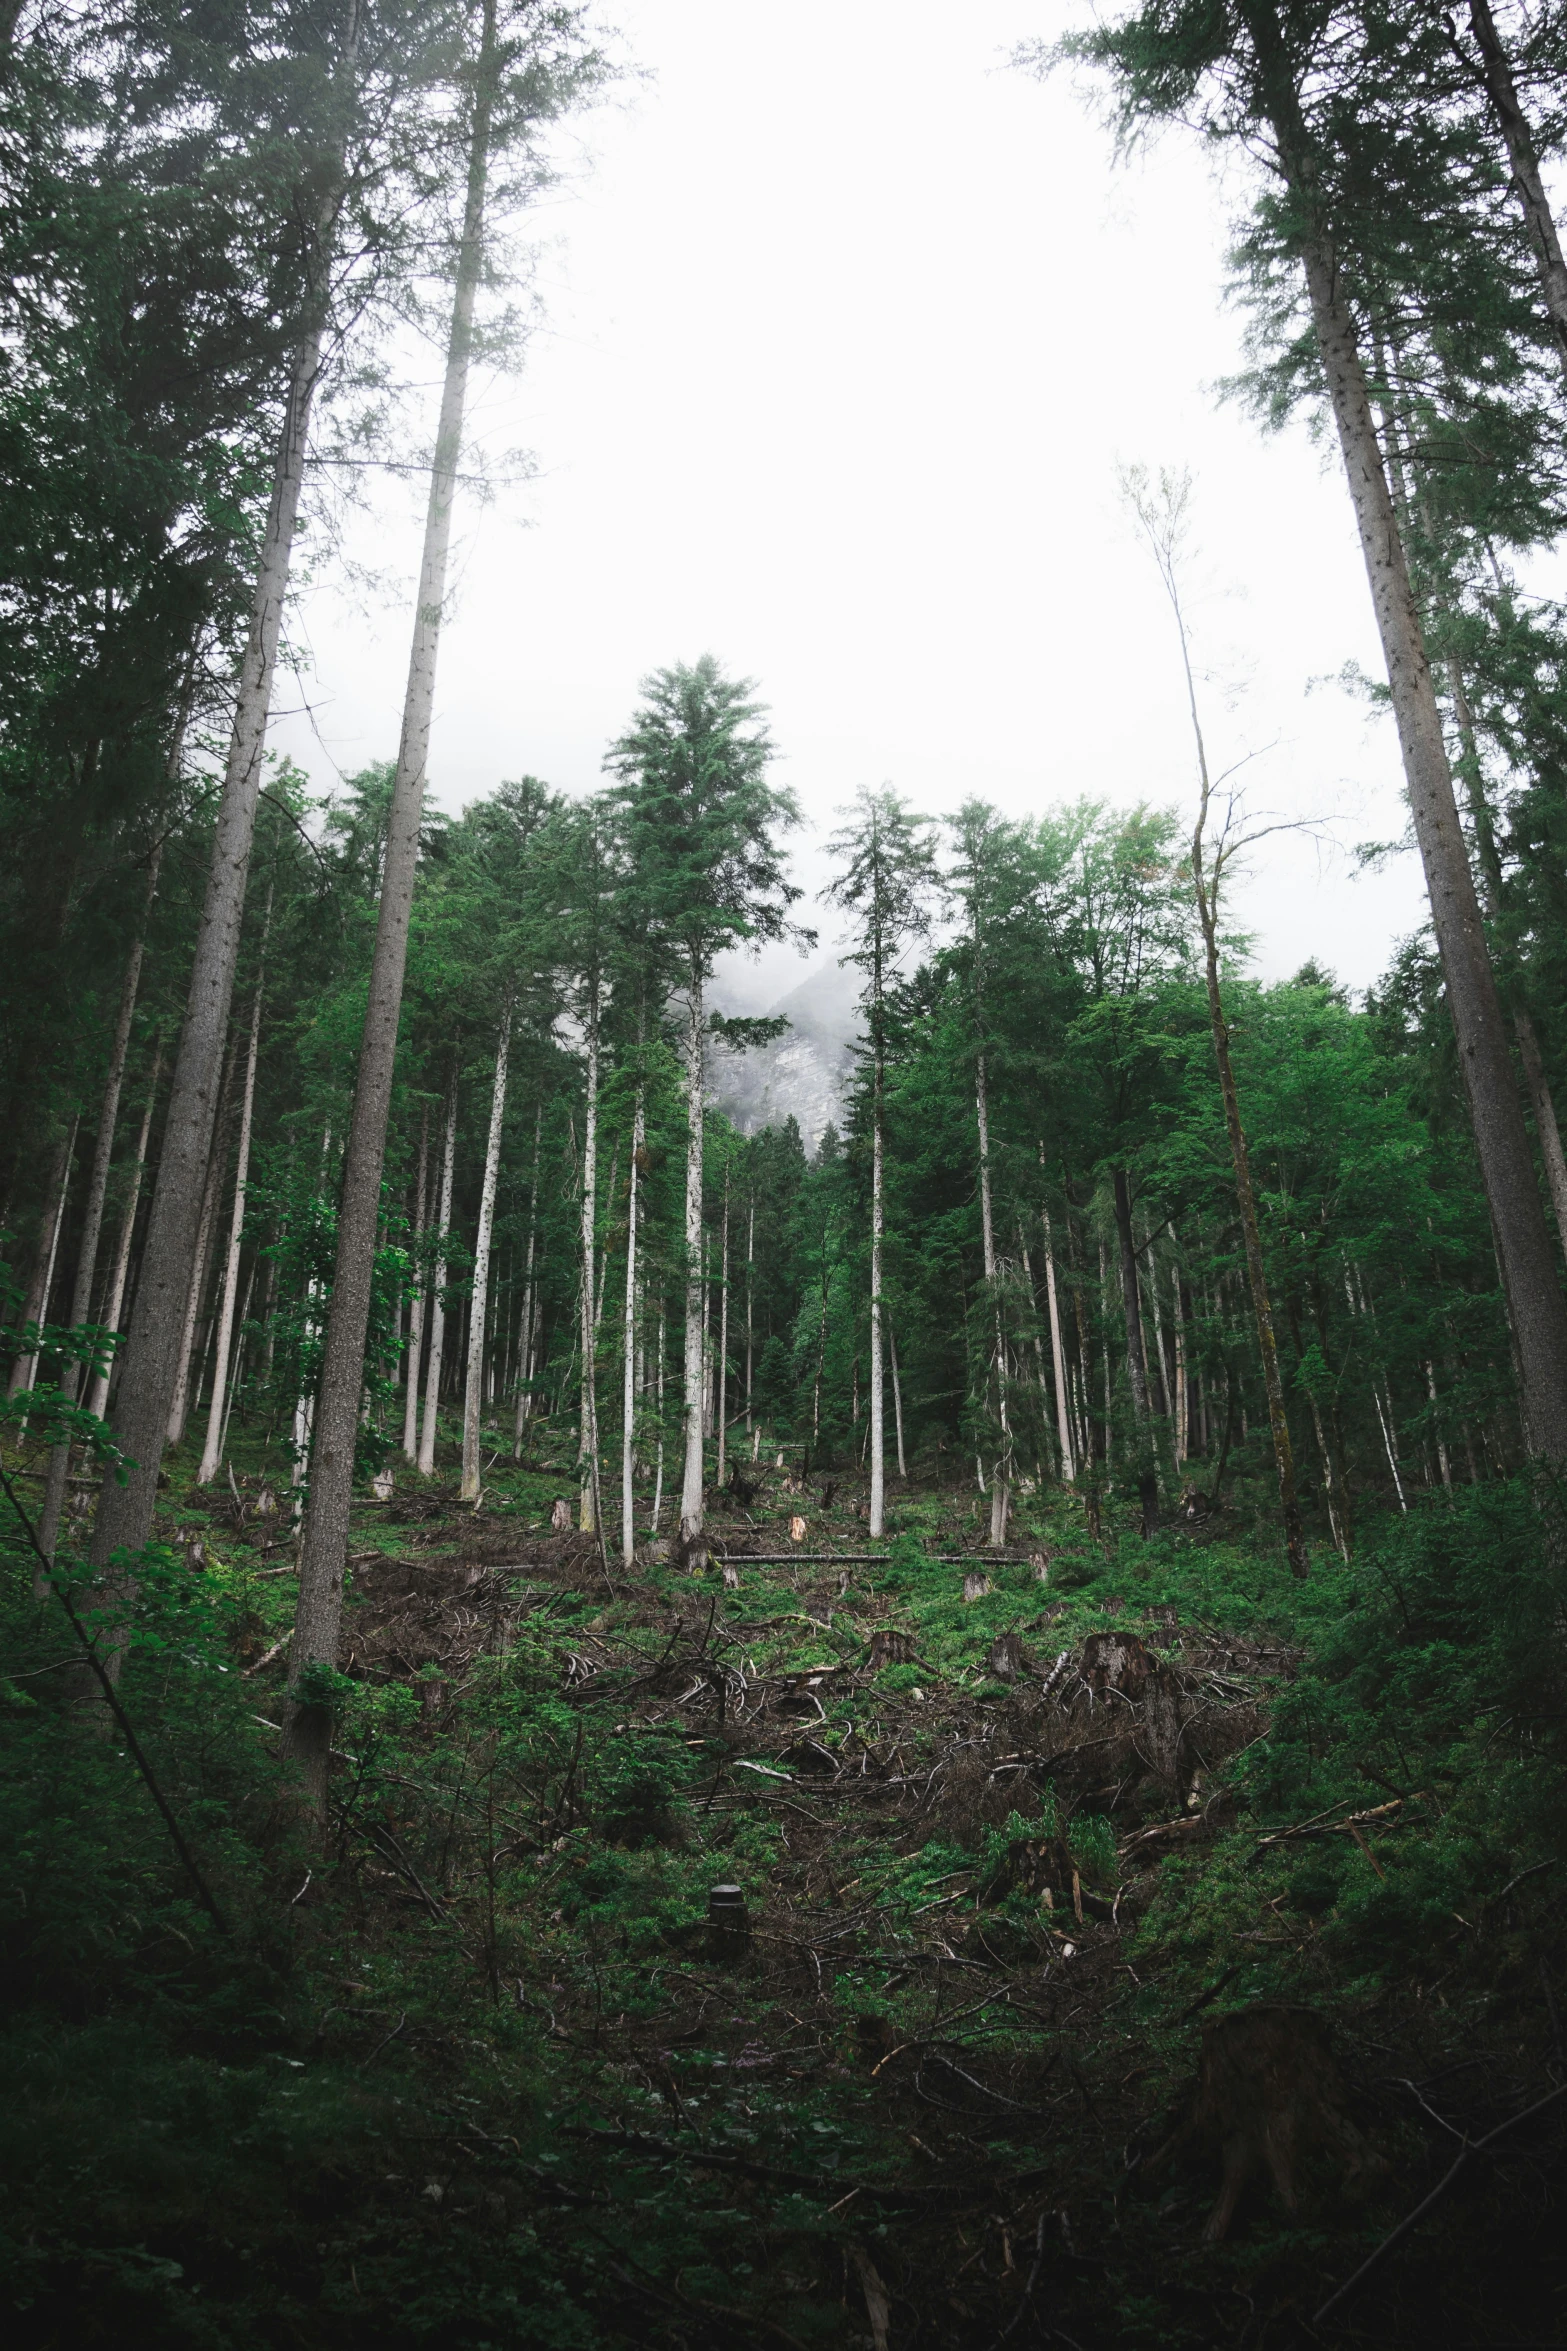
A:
[1086,1891]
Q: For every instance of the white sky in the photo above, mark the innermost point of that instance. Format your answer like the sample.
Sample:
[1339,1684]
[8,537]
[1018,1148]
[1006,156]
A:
[847,328]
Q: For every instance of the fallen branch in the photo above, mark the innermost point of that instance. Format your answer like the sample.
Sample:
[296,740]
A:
[1411,2220]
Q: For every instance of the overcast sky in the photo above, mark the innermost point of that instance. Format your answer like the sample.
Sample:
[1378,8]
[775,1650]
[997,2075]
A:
[847,328]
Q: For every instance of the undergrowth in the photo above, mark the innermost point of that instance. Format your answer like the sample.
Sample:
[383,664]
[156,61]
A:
[472,2069]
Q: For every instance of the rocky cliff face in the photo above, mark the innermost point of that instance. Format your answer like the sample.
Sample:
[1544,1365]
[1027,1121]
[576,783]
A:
[806,1074]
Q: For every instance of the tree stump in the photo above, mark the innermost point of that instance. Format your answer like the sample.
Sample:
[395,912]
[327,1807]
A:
[1115,1661]
[1162,1724]
[1268,2093]
[1006,1657]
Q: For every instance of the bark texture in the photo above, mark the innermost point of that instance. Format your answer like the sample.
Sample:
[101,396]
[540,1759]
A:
[587,1320]
[473,1398]
[212,1450]
[411,1363]
[1136,1354]
[92,1211]
[1528,185]
[145,1392]
[324,1550]
[119,1275]
[691,1482]
[1535,1306]
[443,1223]
[628,1417]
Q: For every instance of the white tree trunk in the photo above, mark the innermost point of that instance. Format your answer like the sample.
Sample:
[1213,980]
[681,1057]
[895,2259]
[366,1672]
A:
[24,1369]
[324,1550]
[416,1303]
[897,1400]
[1000,1494]
[658,1407]
[878,1439]
[114,1296]
[750,1323]
[145,1392]
[212,1450]
[1182,1391]
[216,1162]
[432,1375]
[603,1255]
[691,1483]
[92,1212]
[239,1361]
[628,1415]
[524,1390]
[473,1400]
[721,1368]
[587,1431]
[1058,1354]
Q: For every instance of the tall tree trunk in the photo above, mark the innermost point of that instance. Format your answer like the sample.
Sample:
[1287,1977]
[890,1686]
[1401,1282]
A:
[1161,1388]
[691,1483]
[1240,1157]
[1027,1264]
[239,1355]
[1528,185]
[1000,1487]
[658,1406]
[721,1368]
[750,1324]
[603,1255]
[324,1550]
[878,1443]
[707,1343]
[180,1406]
[628,1401]
[92,1212]
[473,1400]
[212,1450]
[1105,1325]
[1488,858]
[587,1429]
[411,1366]
[524,1389]
[114,1296]
[1536,1308]
[443,1225]
[897,1399]
[1183,1404]
[145,1391]
[1136,1373]
[1057,1351]
[35,1307]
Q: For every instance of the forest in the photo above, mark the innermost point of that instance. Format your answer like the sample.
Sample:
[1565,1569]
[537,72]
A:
[626,1727]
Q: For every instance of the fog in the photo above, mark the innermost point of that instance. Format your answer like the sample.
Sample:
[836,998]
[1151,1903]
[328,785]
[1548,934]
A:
[846,328]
